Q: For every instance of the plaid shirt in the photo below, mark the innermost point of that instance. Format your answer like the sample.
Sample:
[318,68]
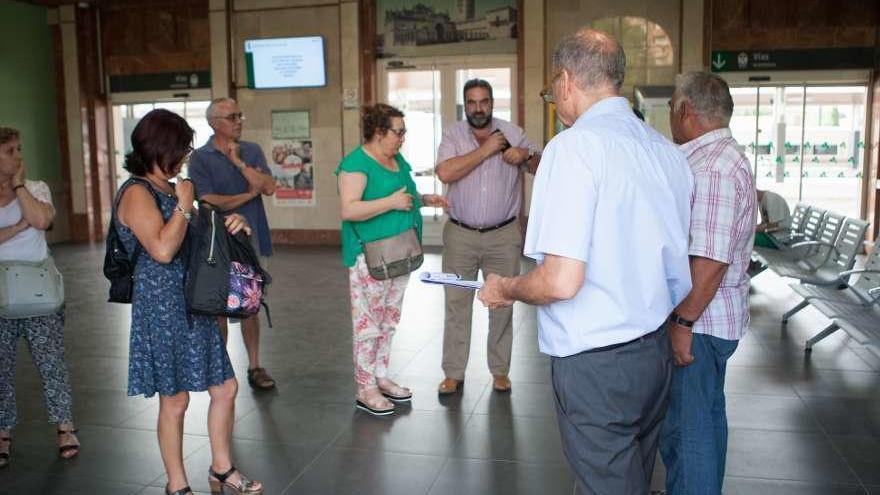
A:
[723,216]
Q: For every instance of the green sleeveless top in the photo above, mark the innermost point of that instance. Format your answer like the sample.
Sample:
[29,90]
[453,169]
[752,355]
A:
[381,182]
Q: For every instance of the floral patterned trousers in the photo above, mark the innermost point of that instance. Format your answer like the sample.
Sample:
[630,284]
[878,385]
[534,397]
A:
[45,339]
[375,313]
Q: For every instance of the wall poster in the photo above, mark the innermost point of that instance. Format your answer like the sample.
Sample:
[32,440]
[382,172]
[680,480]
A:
[292,162]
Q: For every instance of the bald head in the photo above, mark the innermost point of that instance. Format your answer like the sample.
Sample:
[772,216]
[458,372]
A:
[594,59]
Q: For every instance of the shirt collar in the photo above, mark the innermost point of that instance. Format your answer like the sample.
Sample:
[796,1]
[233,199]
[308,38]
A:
[209,145]
[710,137]
[611,104]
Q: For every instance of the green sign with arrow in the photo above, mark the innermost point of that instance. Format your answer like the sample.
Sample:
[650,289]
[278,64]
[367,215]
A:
[818,59]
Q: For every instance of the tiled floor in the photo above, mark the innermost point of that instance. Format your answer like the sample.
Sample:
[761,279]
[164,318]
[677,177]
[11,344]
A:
[799,425]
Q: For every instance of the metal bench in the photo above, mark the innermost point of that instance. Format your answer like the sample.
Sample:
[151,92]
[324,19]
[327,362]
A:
[796,228]
[806,254]
[854,305]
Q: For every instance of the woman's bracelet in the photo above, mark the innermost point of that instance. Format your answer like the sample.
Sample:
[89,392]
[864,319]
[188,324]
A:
[15,187]
[186,214]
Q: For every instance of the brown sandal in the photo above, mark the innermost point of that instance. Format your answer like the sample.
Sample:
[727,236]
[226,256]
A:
[64,449]
[259,379]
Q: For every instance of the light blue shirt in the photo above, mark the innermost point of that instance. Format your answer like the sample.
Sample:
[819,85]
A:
[614,193]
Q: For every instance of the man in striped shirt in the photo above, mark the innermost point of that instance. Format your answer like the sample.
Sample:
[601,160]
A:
[706,327]
[481,159]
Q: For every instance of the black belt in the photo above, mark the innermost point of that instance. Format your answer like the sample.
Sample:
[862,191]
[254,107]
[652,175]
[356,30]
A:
[484,229]
[615,346]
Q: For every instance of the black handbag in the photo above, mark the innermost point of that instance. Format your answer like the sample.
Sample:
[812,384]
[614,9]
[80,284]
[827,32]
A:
[118,263]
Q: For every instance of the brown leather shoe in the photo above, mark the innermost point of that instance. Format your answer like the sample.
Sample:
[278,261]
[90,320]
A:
[501,383]
[259,379]
[448,386]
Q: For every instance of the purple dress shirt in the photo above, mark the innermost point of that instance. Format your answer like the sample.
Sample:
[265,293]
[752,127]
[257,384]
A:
[492,192]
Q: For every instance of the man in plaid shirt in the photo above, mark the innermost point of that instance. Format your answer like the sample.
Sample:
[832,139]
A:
[706,327]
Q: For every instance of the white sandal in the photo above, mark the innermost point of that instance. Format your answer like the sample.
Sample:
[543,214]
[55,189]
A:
[374,405]
[396,393]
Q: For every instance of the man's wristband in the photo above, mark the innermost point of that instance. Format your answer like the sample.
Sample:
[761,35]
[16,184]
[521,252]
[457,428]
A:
[15,187]
[678,320]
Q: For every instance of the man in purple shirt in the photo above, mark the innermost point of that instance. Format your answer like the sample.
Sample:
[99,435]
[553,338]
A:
[481,160]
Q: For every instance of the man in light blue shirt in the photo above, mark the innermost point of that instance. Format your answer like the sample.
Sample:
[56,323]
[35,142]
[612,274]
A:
[609,229]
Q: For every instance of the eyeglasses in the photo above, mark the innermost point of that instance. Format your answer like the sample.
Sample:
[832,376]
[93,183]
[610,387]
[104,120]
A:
[398,132]
[188,154]
[232,117]
[547,93]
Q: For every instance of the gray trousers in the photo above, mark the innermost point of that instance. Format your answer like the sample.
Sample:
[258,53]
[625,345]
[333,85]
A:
[610,406]
[466,252]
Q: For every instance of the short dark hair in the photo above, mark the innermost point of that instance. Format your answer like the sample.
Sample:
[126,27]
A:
[377,119]
[161,138]
[476,83]
[8,134]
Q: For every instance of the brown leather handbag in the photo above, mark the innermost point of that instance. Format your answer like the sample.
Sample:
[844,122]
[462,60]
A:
[393,256]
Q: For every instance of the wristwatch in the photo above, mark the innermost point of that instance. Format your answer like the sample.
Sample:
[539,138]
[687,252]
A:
[186,214]
[678,320]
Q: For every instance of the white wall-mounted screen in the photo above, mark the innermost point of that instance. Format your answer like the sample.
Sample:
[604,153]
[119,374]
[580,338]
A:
[285,62]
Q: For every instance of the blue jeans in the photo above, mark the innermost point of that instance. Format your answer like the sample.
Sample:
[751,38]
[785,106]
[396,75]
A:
[693,440]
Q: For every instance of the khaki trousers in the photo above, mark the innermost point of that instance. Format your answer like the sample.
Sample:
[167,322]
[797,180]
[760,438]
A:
[465,252]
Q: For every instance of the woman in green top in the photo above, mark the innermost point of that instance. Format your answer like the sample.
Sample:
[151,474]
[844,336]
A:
[378,198]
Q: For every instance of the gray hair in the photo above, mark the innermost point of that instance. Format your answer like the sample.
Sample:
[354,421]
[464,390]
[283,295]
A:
[210,111]
[708,94]
[594,59]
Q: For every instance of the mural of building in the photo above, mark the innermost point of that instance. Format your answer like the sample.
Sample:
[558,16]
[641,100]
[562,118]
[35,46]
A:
[419,25]
[465,10]
[424,24]
[498,23]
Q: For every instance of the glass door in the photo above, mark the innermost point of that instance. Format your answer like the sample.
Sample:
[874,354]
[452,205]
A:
[125,116]
[417,94]
[429,92]
[805,141]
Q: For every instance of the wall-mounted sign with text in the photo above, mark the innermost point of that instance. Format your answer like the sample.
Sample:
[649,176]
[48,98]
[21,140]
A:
[161,81]
[818,59]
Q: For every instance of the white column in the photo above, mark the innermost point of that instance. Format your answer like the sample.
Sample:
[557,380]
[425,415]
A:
[217,17]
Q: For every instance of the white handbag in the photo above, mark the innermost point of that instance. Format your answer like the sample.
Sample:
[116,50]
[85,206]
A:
[30,288]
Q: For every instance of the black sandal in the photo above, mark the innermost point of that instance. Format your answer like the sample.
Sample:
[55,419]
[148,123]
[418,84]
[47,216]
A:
[243,487]
[6,457]
[183,491]
[67,448]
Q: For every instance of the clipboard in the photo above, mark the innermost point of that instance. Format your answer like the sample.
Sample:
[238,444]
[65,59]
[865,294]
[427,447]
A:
[450,279]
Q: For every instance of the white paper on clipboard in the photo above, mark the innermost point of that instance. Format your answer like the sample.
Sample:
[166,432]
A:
[450,279]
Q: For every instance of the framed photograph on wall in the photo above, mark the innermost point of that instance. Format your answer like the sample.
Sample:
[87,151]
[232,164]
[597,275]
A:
[290,124]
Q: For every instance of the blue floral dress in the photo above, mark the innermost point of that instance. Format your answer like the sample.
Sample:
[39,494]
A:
[171,350]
